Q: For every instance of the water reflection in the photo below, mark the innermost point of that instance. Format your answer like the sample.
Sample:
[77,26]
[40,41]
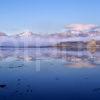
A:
[75,59]
[60,77]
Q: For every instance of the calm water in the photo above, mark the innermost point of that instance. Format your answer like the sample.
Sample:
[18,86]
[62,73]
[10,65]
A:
[49,74]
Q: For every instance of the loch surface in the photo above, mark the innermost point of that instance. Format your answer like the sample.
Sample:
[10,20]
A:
[49,74]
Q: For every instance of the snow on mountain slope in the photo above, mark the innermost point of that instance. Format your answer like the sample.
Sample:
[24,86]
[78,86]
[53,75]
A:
[82,30]
[73,32]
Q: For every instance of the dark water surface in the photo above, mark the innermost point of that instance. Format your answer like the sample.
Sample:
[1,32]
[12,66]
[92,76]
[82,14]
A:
[49,74]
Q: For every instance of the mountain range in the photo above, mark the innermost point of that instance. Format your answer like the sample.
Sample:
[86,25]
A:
[72,32]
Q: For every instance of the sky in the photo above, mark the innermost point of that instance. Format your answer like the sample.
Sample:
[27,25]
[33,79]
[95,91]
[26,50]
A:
[46,16]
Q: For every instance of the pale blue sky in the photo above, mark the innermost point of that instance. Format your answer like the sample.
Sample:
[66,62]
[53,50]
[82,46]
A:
[46,16]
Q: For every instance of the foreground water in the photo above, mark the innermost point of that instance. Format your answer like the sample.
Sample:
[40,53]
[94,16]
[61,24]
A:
[49,74]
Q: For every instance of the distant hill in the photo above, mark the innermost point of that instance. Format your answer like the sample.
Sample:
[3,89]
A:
[72,34]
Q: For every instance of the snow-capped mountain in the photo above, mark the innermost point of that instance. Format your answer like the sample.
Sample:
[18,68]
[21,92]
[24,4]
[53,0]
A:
[30,39]
[78,32]
[25,34]
[81,30]
[72,32]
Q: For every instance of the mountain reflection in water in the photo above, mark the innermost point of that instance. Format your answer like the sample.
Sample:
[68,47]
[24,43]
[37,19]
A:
[49,74]
[75,59]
